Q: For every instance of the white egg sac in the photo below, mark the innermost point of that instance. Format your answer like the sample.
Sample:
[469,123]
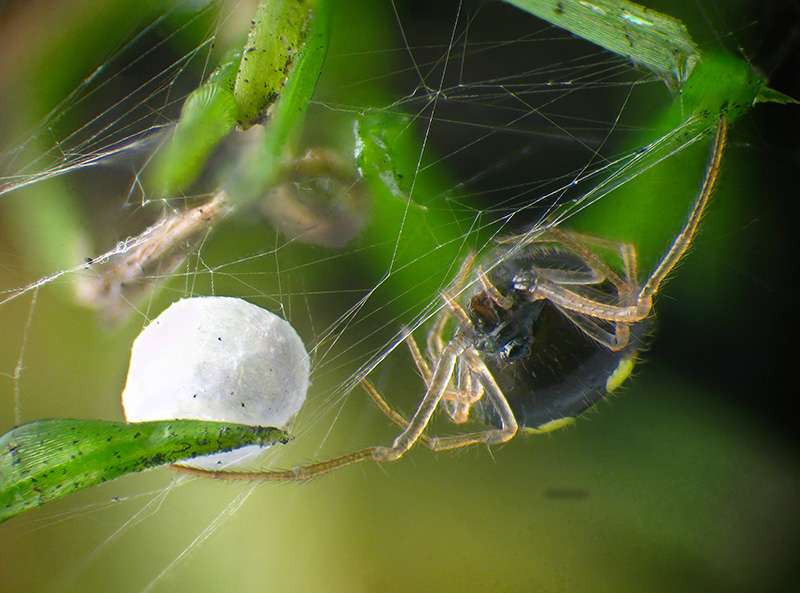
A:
[217,358]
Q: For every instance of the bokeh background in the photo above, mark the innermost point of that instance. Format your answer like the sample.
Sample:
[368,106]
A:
[688,481]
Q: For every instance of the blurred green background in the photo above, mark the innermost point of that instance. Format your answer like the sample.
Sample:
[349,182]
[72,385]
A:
[688,481]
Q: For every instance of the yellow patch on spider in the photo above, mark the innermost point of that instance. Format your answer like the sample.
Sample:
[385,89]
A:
[550,426]
[622,372]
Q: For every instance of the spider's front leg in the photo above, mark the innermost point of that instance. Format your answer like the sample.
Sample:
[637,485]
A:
[434,394]
[591,314]
[493,436]
[459,398]
[438,384]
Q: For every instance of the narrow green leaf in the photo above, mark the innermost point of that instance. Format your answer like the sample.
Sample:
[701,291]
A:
[208,115]
[256,170]
[648,38]
[768,95]
[275,43]
[48,459]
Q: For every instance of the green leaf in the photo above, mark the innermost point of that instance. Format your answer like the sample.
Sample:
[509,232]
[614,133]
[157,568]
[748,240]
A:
[256,170]
[48,459]
[208,115]
[273,78]
[648,38]
[275,44]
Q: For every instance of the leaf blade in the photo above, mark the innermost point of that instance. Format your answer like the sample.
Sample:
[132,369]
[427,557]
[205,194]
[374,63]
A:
[49,459]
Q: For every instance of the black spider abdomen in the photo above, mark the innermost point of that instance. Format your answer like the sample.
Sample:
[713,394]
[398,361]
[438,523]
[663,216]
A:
[564,373]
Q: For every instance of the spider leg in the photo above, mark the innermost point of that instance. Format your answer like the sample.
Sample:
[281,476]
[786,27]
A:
[578,244]
[684,238]
[570,300]
[631,310]
[492,292]
[627,253]
[459,401]
[390,412]
[460,398]
[302,472]
[436,389]
[490,437]
[411,434]
[589,325]
[416,354]
[457,310]
[310,470]
[434,342]
[630,263]
[508,423]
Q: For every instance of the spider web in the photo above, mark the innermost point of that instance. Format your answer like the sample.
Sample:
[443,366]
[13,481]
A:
[514,120]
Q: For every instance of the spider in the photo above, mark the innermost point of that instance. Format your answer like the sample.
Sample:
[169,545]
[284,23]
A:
[551,330]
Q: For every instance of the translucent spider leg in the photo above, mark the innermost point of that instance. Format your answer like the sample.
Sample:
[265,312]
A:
[436,389]
[464,394]
[490,437]
[410,435]
[639,308]
[508,423]
[682,242]
[390,412]
[580,244]
[310,470]
[303,472]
